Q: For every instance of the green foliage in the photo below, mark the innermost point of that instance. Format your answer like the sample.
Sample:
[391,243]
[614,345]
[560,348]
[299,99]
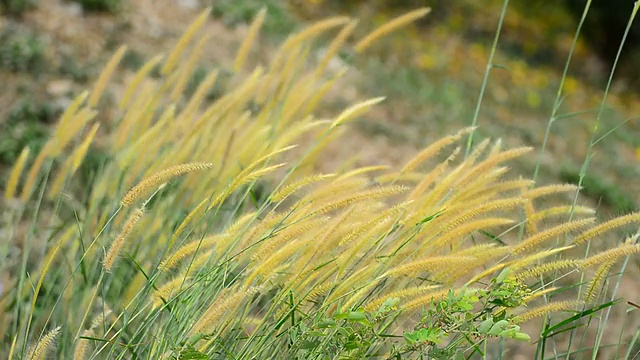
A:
[24,126]
[17,7]
[21,52]
[109,6]
[234,12]
[464,319]
[352,334]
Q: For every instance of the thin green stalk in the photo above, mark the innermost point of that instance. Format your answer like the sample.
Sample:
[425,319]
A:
[603,323]
[552,119]
[75,269]
[485,79]
[594,136]
[23,267]
[633,341]
[558,100]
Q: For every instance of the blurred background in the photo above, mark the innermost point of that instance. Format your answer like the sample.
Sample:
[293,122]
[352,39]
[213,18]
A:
[431,73]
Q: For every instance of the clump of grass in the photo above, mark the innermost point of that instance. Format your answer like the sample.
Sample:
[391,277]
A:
[279,21]
[25,125]
[404,262]
[21,51]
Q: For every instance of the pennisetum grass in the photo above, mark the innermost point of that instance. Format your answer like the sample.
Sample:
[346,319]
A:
[242,252]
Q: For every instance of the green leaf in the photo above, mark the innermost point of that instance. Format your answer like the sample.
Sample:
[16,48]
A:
[431,217]
[493,237]
[340,316]
[192,354]
[355,316]
[411,338]
[388,305]
[503,275]
[423,335]
[500,66]
[309,345]
[325,324]
[499,302]
[352,345]
[485,326]
[498,327]
[464,305]
[520,336]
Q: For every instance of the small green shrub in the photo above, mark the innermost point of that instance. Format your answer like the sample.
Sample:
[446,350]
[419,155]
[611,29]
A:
[25,125]
[69,67]
[234,12]
[21,51]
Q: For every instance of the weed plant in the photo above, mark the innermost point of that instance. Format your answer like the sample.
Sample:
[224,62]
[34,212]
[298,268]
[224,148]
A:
[21,52]
[206,232]
[24,127]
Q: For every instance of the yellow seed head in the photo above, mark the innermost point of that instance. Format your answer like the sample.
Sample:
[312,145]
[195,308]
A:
[546,309]
[40,349]
[117,244]
[161,177]
[14,176]
[392,25]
